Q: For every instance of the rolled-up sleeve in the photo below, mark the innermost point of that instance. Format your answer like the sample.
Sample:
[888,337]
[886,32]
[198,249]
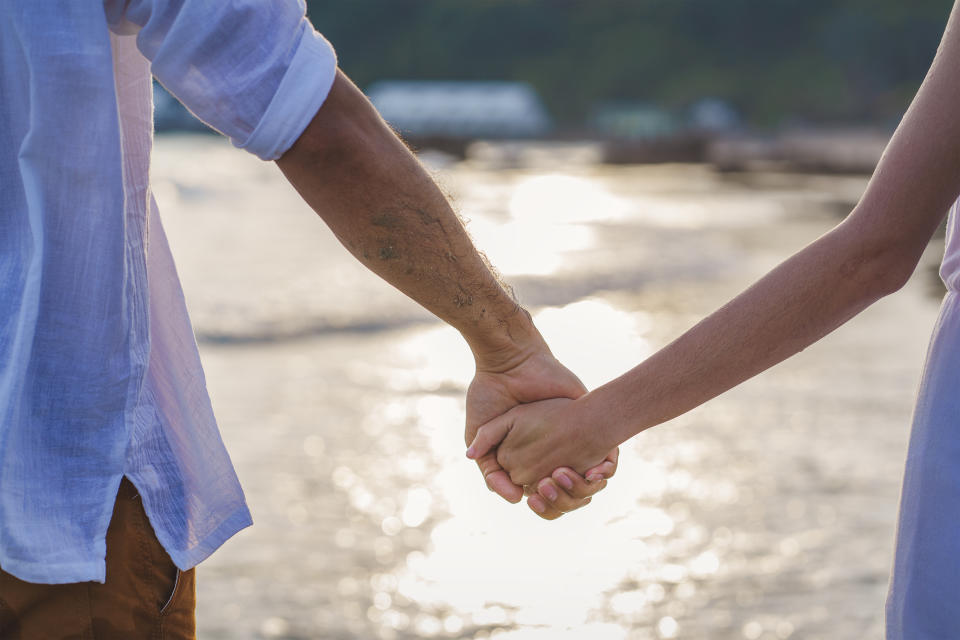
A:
[255,70]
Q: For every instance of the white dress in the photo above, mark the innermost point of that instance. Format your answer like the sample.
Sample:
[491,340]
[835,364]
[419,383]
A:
[924,598]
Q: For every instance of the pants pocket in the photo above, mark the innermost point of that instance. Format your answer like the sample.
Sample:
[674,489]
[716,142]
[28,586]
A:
[174,593]
[177,617]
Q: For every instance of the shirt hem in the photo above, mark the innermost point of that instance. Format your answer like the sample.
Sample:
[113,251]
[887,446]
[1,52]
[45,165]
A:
[186,559]
[96,570]
[64,573]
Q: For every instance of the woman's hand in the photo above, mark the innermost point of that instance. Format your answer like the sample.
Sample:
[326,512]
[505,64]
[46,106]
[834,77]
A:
[533,440]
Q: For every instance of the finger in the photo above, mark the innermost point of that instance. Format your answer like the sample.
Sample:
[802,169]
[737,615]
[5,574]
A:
[614,458]
[489,436]
[574,485]
[605,469]
[499,482]
[497,479]
[543,508]
[557,498]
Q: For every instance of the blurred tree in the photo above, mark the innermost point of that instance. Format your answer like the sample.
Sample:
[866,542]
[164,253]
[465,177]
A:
[825,61]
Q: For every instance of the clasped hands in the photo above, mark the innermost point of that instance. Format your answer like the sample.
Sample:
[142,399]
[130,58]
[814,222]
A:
[523,431]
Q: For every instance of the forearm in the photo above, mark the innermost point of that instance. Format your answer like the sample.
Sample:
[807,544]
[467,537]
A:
[387,211]
[870,254]
[793,306]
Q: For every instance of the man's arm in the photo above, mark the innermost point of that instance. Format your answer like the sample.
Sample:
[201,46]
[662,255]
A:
[381,204]
[869,255]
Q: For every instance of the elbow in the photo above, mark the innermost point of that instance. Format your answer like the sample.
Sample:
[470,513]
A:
[890,263]
[893,273]
[879,259]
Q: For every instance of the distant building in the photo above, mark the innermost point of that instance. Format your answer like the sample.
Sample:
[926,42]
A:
[462,110]
[634,120]
[713,115]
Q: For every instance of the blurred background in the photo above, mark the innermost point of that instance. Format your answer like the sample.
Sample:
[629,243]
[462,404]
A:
[628,167]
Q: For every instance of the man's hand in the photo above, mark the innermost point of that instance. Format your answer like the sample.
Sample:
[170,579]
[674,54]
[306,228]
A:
[527,375]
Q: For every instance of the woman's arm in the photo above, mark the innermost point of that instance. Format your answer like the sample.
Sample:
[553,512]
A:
[869,255]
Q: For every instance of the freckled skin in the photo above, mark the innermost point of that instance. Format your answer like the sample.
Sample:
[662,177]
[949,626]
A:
[386,210]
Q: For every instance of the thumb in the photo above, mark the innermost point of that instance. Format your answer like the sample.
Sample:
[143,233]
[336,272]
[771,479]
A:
[490,435]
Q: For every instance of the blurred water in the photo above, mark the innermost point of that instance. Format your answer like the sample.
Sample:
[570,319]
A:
[767,514]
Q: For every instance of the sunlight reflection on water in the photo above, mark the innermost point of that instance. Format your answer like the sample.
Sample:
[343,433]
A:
[564,199]
[759,516]
[527,248]
[464,571]
[549,216]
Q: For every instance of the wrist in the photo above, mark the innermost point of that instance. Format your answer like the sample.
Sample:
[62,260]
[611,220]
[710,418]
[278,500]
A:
[594,435]
[501,341]
[610,414]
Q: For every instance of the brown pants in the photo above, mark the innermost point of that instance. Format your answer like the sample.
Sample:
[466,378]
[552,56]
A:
[145,597]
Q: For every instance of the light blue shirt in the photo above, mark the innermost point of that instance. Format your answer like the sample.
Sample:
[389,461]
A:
[99,371]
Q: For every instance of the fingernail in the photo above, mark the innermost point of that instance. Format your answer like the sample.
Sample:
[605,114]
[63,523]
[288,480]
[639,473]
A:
[549,492]
[471,452]
[537,506]
[565,480]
